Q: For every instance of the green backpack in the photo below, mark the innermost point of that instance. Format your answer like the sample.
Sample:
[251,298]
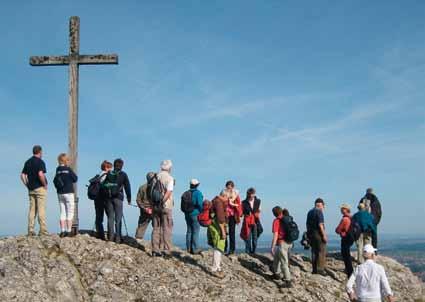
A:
[110,186]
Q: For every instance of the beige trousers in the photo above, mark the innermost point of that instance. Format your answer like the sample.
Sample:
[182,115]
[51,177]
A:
[162,224]
[281,260]
[365,238]
[37,199]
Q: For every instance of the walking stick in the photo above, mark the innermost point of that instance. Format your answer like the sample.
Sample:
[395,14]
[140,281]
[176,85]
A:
[125,224]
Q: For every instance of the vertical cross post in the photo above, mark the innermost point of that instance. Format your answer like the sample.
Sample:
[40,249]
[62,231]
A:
[74,52]
[74,60]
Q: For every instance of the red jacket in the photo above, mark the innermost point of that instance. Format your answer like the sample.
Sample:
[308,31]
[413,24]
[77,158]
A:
[344,226]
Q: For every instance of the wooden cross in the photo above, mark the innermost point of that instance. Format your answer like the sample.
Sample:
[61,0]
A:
[74,59]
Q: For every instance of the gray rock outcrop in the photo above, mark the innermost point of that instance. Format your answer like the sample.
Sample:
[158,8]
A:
[83,268]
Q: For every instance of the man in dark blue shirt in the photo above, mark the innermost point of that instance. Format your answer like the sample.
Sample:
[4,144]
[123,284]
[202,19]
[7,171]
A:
[317,236]
[33,177]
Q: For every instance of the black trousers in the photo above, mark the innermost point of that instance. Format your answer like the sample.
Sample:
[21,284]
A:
[375,238]
[99,205]
[231,238]
[346,255]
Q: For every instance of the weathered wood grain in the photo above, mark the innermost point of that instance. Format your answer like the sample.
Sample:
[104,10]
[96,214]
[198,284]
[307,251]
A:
[49,60]
[74,59]
[97,59]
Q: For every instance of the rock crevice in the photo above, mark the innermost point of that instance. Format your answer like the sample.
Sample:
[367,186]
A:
[83,268]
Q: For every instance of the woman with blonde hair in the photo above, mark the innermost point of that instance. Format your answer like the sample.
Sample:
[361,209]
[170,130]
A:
[64,182]
[233,214]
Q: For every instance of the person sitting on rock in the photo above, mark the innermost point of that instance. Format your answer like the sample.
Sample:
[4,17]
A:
[145,206]
[280,248]
[369,280]
[217,232]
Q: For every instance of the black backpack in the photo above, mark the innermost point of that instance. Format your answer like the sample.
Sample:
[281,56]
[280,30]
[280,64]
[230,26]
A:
[187,205]
[93,188]
[110,186]
[156,192]
[354,232]
[292,232]
[58,182]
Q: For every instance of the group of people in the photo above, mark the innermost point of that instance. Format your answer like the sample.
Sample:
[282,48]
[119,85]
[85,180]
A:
[221,215]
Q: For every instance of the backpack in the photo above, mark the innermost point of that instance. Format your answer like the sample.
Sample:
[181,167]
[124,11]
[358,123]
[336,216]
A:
[187,205]
[58,182]
[355,231]
[204,217]
[292,232]
[110,185]
[93,188]
[156,192]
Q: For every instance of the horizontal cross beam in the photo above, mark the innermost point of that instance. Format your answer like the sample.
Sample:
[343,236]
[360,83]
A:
[79,59]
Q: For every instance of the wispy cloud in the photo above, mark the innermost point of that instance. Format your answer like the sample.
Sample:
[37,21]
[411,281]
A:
[353,118]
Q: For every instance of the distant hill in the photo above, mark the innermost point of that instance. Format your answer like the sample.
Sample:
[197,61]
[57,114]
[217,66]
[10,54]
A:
[86,269]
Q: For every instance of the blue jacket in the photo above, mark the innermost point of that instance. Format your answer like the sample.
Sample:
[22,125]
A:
[198,201]
[365,220]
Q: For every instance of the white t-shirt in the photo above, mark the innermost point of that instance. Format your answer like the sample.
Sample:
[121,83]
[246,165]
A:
[168,181]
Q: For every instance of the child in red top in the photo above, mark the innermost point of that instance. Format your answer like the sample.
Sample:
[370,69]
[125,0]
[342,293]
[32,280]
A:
[280,248]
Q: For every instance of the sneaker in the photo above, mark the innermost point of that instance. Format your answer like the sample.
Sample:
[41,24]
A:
[196,252]
[62,234]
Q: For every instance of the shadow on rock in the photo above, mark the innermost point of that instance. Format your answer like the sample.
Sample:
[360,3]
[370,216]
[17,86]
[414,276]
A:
[187,259]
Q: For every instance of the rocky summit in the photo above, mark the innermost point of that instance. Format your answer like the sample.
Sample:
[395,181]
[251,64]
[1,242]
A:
[83,268]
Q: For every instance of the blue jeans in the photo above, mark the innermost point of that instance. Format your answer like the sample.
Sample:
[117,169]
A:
[251,243]
[192,233]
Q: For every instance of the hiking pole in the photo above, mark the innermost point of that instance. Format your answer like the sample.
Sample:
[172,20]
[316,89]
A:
[125,224]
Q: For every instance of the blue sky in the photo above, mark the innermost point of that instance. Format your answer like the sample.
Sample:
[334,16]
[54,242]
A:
[299,100]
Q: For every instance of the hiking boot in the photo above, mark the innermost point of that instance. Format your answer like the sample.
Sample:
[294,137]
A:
[277,276]
[118,240]
[44,233]
[196,252]
[156,254]
[32,234]
[62,234]
[287,284]
[166,255]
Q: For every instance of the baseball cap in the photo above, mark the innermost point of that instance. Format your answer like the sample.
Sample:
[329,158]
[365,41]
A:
[368,248]
[194,182]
